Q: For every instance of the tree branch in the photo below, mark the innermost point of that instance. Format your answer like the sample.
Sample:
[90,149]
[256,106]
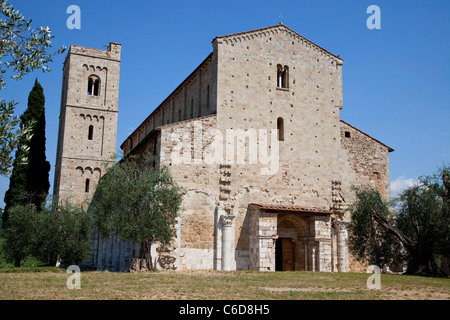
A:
[408,243]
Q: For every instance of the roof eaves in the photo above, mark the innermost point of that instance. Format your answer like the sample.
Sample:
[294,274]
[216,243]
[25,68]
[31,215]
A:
[276,26]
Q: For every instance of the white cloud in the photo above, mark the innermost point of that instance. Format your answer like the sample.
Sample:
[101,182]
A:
[401,183]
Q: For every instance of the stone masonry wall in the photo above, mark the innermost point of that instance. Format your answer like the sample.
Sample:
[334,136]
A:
[249,99]
[81,150]
[365,161]
[313,158]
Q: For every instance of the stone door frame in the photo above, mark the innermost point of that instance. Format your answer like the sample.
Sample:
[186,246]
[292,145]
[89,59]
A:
[312,247]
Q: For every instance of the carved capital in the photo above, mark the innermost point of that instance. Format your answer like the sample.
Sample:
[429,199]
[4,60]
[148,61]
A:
[227,220]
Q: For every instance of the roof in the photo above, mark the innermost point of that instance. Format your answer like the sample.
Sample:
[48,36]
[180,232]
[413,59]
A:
[208,58]
[168,97]
[389,148]
[291,208]
[280,25]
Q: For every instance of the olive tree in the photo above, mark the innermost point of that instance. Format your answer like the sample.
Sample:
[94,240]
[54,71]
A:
[416,223]
[22,50]
[138,202]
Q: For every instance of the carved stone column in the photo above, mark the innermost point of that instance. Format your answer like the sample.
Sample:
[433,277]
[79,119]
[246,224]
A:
[313,258]
[342,246]
[227,241]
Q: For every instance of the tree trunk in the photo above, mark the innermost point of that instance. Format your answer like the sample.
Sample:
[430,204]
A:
[146,253]
[422,261]
[17,263]
[138,265]
[144,262]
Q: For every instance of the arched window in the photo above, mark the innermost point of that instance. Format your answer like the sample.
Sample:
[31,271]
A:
[285,78]
[279,75]
[93,86]
[280,128]
[86,186]
[282,77]
[90,132]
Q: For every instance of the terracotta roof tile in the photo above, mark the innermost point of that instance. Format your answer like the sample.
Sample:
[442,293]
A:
[284,207]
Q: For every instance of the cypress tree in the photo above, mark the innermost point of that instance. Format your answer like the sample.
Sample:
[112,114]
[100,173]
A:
[29,181]
[37,182]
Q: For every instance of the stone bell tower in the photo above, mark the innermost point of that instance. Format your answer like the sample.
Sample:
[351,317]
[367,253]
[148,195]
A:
[87,120]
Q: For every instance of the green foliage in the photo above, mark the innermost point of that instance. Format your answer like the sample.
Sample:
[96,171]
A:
[22,50]
[20,232]
[37,182]
[368,241]
[59,232]
[9,135]
[29,180]
[63,232]
[424,217]
[420,225]
[137,202]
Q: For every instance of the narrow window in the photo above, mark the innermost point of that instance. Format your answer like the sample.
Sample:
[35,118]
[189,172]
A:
[192,108]
[93,86]
[91,132]
[90,86]
[347,134]
[86,186]
[96,87]
[280,128]
[285,78]
[282,77]
[279,75]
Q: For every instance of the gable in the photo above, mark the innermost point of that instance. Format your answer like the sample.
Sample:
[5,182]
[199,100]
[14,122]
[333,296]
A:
[280,33]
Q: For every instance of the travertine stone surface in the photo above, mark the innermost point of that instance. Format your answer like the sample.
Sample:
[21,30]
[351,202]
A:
[237,139]
[81,155]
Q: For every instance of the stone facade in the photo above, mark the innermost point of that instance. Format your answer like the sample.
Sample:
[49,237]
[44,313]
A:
[87,121]
[254,137]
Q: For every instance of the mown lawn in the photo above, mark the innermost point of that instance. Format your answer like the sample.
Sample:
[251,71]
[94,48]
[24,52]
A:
[50,283]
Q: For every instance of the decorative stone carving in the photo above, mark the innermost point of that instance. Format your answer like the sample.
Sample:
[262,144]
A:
[227,241]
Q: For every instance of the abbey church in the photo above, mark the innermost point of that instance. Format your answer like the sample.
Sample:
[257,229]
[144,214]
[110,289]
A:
[266,103]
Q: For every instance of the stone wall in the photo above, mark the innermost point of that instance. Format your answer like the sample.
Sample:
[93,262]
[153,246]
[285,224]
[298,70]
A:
[88,122]
[182,147]
[309,163]
[365,161]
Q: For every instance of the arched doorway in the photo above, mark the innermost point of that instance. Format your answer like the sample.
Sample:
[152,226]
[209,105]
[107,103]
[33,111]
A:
[292,233]
[284,254]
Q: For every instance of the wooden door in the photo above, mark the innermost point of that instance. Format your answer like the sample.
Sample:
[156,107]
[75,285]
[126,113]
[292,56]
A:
[287,254]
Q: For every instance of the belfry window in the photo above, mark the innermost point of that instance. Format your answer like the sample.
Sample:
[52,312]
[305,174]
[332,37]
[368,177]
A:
[282,77]
[86,186]
[91,132]
[280,128]
[93,86]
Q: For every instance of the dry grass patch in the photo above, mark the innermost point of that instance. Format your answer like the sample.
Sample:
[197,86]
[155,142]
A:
[208,285]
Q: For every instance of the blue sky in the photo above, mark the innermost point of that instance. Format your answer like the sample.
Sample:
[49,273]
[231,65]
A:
[396,80]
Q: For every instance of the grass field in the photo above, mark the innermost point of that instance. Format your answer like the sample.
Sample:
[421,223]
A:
[50,283]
